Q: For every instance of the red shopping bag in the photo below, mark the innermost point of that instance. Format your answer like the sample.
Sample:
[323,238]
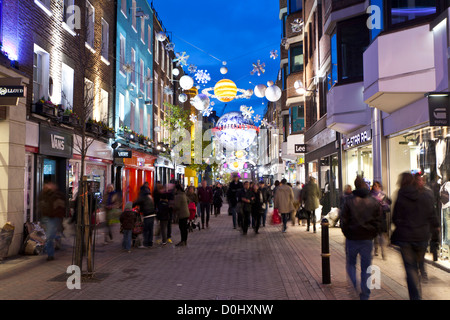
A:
[276,218]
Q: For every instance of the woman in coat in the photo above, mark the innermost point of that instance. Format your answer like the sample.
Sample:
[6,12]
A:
[311,195]
[181,210]
[257,206]
[217,199]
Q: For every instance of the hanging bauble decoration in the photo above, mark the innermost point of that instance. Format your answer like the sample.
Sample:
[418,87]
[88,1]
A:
[192,92]
[182,97]
[260,90]
[235,132]
[248,93]
[273,93]
[161,36]
[200,102]
[225,90]
[269,83]
[224,70]
[186,82]
[176,72]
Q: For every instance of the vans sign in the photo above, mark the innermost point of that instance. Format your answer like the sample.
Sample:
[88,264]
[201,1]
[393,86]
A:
[55,142]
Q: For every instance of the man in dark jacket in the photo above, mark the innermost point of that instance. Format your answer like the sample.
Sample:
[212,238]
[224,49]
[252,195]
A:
[360,223]
[415,220]
[266,198]
[147,207]
[246,198]
[205,197]
[232,192]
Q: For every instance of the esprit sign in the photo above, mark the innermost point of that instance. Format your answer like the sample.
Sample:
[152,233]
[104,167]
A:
[358,138]
[12,91]
[55,142]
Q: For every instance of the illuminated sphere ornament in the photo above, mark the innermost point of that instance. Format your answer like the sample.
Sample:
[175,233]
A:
[160,36]
[182,97]
[186,82]
[260,90]
[175,72]
[234,132]
[269,83]
[192,92]
[224,70]
[273,93]
[225,90]
[200,102]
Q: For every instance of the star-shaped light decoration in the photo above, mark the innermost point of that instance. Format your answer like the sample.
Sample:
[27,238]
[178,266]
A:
[206,112]
[258,68]
[192,68]
[257,118]
[181,58]
[168,90]
[148,79]
[297,25]
[170,46]
[273,54]
[264,123]
[247,112]
[193,118]
[202,76]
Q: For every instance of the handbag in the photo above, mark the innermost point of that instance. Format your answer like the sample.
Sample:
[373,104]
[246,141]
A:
[276,218]
[301,213]
[139,225]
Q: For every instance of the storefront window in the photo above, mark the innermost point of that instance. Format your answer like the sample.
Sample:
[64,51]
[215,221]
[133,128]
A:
[359,162]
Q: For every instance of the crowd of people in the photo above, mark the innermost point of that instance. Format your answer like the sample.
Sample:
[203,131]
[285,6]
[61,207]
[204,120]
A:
[365,217]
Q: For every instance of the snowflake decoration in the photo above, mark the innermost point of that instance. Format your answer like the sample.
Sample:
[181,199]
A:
[273,54]
[297,25]
[264,122]
[148,79]
[257,118]
[181,58]
[192,68]
[202,76]
[127,68]
[193,118]
[258,68]
[168,90]
[247,112]
[170,46]
[207,112]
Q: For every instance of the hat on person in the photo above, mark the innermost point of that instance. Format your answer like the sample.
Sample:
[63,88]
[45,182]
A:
[129,205]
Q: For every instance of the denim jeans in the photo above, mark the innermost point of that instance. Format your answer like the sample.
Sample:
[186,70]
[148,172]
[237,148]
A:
[364,249]
[285,217]
[51,228]
[148,231]
[413,254]
[126,242]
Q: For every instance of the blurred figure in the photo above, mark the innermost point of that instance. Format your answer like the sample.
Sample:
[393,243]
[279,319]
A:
[234,188]
[111,203]
[257,206]
[246,198]
[147,208]
[414,220]
[127,220]
[385,207]
[192,199]
[205,197]
[297,201]
[311,195]
[217,199]
[163,215]
[265,191]
[181,211]
[284,202]
[342,198]
[52,208]
[360,224]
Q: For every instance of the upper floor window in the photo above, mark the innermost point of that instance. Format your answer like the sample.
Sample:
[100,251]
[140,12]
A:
[133,15]
[90,22]
[143,29]
[294,6]
[133,66]
[44,5]
[122,53]
[297,118]
[406,10]
[105,39]
[123,7]
[296,58]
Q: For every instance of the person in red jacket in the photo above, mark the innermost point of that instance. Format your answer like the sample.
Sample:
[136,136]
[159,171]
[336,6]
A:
[205,198]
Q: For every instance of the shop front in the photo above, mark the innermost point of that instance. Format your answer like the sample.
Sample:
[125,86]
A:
[357,156]
[164,170]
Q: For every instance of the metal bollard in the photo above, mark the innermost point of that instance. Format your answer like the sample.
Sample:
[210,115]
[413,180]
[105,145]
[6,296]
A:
[326,274]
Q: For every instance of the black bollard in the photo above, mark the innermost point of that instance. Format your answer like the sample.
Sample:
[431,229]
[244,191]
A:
[326,274]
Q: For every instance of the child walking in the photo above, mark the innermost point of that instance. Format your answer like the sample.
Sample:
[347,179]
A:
[127,220]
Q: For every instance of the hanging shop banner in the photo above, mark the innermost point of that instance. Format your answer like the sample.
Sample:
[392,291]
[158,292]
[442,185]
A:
[12,91]
[439,110]
[55,142]
[123,154]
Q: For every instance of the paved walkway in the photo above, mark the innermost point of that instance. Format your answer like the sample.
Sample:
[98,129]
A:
[219,263]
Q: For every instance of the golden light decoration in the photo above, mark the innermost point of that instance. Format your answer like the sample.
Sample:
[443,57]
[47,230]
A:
[192,92]
[226,90]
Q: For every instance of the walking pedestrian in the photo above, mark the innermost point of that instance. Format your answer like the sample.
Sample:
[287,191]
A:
[311,195]
[297,202]
[217,199]
[284,202]
[265,191]
[111,202]
[257,206]
[52,208]
[147,208]
[360,224]
[181,211]
[234,205]
[385,207]
[246,198]
[127,220]
[415,221]
[163,215]
[205,197]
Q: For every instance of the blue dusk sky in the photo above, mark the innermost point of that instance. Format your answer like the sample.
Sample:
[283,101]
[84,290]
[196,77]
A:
[239,32]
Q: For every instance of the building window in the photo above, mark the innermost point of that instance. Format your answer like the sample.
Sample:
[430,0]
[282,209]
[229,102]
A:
[141,120]
[141,75]
[352,40]
[286,127]
[89,97]
[156,50]
[334,61]
[149,84]
[123,7]
[133,15]
[402,11]
[283,25]
[149,40]
[297,118]
[149,126]
[44,5]
[102,113]
[294,6]
[162,58]
[90,23]
[133,66]
[296,58]
[142,29]
[132,111]
[122,53]
[105,39]
[121,109]
[156,95]
[67,81]
[69,9]
[40,74]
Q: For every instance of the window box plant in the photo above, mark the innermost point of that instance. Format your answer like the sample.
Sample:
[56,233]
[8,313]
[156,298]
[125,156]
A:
[46,108]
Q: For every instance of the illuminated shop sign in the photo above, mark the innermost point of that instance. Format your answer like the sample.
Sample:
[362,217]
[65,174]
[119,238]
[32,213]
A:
[361,137]
[12,91]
